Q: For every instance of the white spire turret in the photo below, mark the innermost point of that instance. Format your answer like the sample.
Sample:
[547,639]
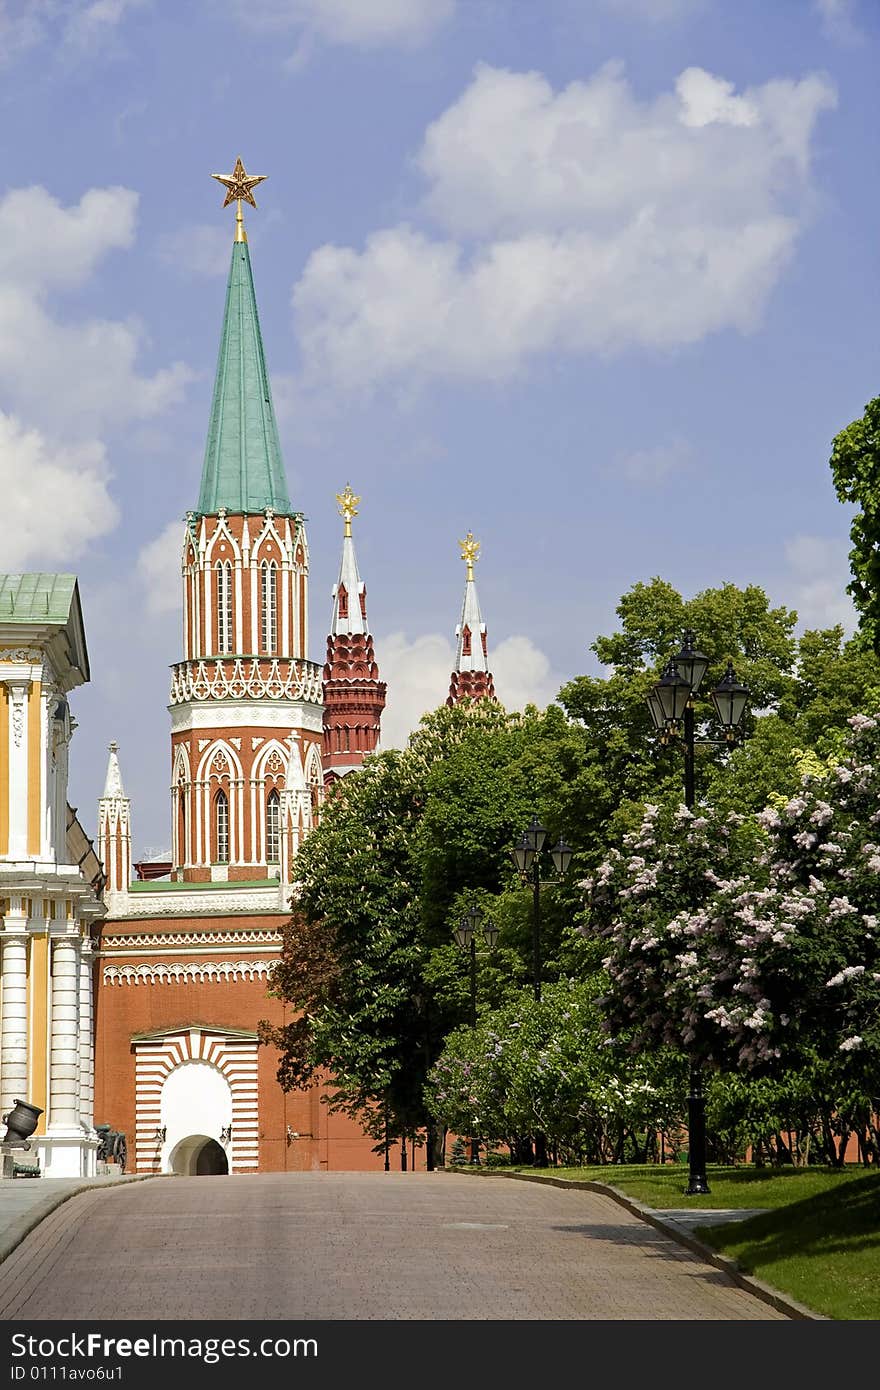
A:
[114,833]
[113,781]
[349,591]
[471,676]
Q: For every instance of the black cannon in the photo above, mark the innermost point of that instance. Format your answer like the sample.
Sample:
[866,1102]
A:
[111,1146]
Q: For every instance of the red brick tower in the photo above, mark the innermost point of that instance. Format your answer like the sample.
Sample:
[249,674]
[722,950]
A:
[471,678]
[185,960]
[354,697]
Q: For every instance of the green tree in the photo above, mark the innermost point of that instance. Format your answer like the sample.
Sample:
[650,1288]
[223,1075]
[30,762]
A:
[368,963]
[855,467]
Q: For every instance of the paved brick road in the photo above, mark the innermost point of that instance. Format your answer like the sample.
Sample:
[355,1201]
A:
[364,1246]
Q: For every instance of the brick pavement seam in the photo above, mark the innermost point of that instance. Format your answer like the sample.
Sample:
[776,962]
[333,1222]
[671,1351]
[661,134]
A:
[12,1236]
[783,1303]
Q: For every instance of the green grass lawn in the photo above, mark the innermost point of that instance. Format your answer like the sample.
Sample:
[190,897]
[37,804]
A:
[819,1242]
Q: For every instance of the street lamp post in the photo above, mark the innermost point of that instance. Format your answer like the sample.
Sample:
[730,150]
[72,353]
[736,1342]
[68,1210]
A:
[466,937]
[671,705]
[527,857]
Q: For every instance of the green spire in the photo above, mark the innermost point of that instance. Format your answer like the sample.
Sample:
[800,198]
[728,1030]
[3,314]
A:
[243,470]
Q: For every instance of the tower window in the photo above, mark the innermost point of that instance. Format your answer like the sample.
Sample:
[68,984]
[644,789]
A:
[224,607]
[182,845]
[270,607]
[221,812]
[466,641]
[343,601]
[273,828]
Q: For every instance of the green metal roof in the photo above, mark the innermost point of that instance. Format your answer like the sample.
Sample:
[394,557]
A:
[36,598]
[48,600]
[164,885]
[243,469]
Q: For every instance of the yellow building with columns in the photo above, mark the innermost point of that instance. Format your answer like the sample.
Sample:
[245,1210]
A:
[50,879]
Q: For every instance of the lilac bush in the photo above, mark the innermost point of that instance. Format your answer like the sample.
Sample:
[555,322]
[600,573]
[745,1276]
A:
[752,943]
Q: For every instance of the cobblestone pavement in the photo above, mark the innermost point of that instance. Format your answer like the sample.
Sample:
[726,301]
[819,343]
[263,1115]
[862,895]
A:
[361,1246]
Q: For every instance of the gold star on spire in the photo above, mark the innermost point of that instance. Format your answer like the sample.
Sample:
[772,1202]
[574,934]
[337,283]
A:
[348,506]
[470,552]
[238,187]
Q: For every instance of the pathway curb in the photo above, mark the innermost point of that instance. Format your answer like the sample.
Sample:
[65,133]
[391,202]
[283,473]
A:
[12,1235]
[781,1302]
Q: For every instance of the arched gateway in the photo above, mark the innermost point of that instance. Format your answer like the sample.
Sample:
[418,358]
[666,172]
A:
[198,1156]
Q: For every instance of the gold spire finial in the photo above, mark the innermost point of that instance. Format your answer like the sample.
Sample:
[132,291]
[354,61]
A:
[238,187]
[470,552]
[348,506]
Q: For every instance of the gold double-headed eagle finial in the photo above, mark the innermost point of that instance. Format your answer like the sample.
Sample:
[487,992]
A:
[238,187]
[470,552]
[348,506]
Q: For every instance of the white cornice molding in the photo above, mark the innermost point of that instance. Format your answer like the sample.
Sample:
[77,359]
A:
[202,972]
[199,904]
[238,935]
[248,714]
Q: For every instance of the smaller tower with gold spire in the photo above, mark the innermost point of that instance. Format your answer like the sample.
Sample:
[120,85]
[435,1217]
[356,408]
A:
[354,697]
[471,677]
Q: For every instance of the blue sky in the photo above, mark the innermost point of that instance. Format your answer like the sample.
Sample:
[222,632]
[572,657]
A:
[595,279]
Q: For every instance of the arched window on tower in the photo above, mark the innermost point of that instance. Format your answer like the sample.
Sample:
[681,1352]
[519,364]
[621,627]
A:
[221,820]
[343,601]
[273,828]
[269,607]
[466,641]
[224,607]
[182,837]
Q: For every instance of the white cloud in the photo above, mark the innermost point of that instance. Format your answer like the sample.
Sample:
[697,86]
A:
[158,566]
[657,464]
[81,27]
[90,25]
[55,497]
[838,19]
[364,23]
[202,248]
[522,673]
[819,570]
[44,245]
[577,221]
[417,674]
[79,375]
[708,100]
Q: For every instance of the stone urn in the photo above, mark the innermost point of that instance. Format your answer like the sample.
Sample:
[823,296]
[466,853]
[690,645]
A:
[21,1122]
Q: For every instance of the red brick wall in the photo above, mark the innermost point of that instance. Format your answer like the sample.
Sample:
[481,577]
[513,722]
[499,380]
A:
[122,1010]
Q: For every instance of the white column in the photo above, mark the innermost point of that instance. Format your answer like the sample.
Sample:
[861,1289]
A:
[18,688]
[86,1038]
[14,1035]
[64,1060]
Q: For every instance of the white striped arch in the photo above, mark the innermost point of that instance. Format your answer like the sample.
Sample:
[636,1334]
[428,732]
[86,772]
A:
[232,1052]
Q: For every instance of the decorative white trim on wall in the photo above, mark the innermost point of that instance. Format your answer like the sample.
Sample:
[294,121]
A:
[288,717]
[221,902]
[196,938]
[204,972]
[286,680]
